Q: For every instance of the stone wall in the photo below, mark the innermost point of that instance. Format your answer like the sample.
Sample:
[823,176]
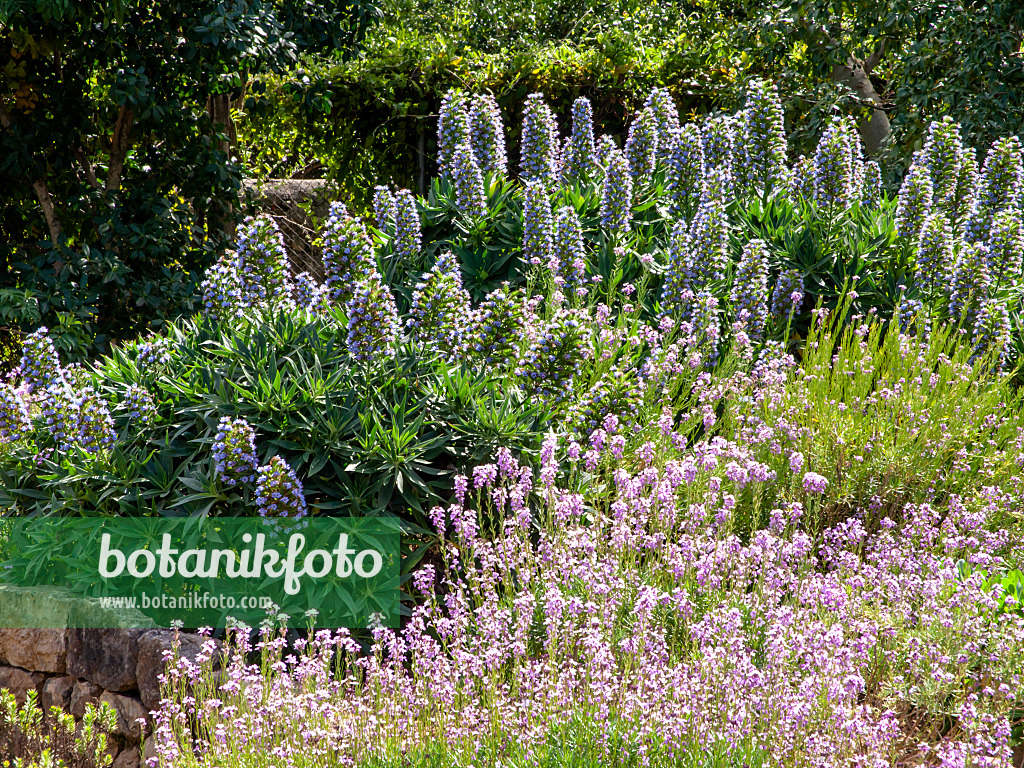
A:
[70,668]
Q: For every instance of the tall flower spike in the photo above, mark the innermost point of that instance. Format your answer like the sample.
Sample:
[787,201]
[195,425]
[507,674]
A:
[452,129]
[554,360]
[440,311]
[965,196]
[538,234]
[262,262]
[408,231]
[496,327]
[40,366]
[673,299]
[871,188]
[309,294]
[642,147]
[14,421]
[95,425]
[234,450]
[943,154]
[468,181]
[914,202]
[1006,248]
[384,208]
[568,250]
[139,405]
[224,297]
[605,145]
[833,167]
[787,296]
[992,332]
[278,490]
[372,319]
[666,117]
[581,158]
[487,135]
[59,410]
[934,254]
[706,329]
[719,138]
[801,181]
[540,147]
[347,253]
[1001,182]
[750,290]
[970,285]
[708,251]
[765,141]
[685,169]
[617,193]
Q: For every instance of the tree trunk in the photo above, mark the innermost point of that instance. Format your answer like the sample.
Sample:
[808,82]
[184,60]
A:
[855,75]
[41,190]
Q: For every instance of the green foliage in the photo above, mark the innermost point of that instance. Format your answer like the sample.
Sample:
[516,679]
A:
[32,741]
[363,441]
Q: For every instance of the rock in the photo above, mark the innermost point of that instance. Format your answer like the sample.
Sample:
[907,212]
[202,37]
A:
[149,747]
[57,693]
[129,758]
[129,711]
[107,657]
[19,682]
[151,660]
[41,650]
[84,693]
[59,608]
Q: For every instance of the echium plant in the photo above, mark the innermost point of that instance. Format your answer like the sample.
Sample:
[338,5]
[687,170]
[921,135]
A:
[262,262]
[440,311]
[408,230]
[40,366]
[719,137]
[685,175]
[833,168]
[487,135]
[934,254]
[787,296]
[617,193]
[540,144]
[372,319]
[347,253]
[675,288]
[750,290]
[309,294]
[153,355]
[538,231]
[970,285]
[706,329]
[914,202]
[278,490]
[234,451]
[59,409]
[992,330]
[224,296]
[568,260]
[642,147]
[383,208]
[764,144]
[965,197]
[1006,248]
[95,427]
[581,160]
[943,154]
[707,252]
[468,181]
[801,180]
[871,185]
[605,145]
[138,404]
[496,327]
[14,420]
[452,129]
[666,116]
[618,393]
[1002,179]
[550,366]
